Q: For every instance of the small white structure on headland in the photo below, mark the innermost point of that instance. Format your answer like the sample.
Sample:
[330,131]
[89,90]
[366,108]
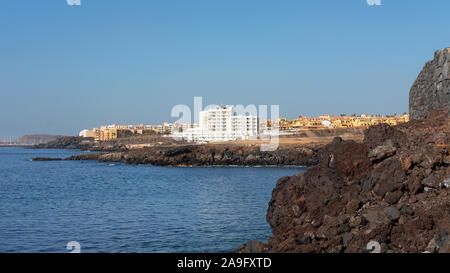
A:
[87,133]
[326,123]
[221,124]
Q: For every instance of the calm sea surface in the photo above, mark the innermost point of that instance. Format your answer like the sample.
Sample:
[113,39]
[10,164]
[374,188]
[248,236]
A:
[122,208]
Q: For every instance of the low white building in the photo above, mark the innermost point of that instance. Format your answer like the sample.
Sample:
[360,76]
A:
[221,124]
[326,123]
[87,133]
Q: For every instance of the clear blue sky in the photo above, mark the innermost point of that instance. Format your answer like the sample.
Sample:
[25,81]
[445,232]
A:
[65,68]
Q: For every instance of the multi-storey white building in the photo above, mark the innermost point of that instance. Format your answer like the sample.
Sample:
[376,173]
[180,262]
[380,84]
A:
[87,133]
[221,124]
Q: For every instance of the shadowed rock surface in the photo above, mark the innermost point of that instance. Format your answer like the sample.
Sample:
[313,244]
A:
[208,155]
[389,189]
[120,144]
[46,159]
[166,151]
[431,90]
[36,139]
[68,142]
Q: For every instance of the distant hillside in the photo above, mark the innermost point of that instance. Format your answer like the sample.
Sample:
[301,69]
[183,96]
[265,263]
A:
[36,139]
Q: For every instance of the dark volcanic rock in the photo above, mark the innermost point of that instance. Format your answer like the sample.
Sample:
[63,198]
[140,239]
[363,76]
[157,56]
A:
[88,156]
[36,139]
[383,135]
[388,177]
[68,142]
[431,181]
[431,90]
[392,213]
[393,197]
[120,144]
[353,205]
[383,151]
[45,159]
[442,241]
[348,200]
[252,247]
[208,155]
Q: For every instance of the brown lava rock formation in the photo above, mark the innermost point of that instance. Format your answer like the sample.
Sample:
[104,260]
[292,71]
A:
[431,90]
[207,155]
[394,188]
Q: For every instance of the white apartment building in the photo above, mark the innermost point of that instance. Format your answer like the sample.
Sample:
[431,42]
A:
[87,133]
[221,124]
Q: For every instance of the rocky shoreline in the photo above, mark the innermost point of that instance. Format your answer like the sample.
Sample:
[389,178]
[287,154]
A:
[208,155]
[78,143]
[158,150]
[392,189]
[46,159]
[121,144]
[183,154]
[390,193]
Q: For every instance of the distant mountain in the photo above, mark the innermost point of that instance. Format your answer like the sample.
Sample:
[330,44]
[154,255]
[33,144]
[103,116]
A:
[36,139]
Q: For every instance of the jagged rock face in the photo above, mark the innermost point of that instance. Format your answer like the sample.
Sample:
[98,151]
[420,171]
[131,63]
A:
[207,155]
[390,189]
[431,90]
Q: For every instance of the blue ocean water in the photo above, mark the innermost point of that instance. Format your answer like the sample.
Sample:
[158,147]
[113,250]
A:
[124,208]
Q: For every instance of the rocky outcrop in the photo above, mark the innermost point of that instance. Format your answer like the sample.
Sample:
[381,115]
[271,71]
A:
[68,142]
[166,151]
[390,193]
[36,139]
[120,144]
[252,247]
[46,159]
[208,155]
[431,90]
[387,192]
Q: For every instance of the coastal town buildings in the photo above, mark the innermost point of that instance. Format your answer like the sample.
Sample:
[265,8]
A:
[87,133]
[342,121]
[221,124]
